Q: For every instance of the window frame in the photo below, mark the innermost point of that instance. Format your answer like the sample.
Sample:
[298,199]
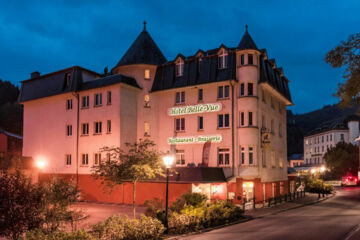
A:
[97,127]
[108,126]
[179,124]
[222,118]
[87,129]
[85,101]
[84,159]
[179,67]
[200,123]
[180,98]
[182,161]
[200,95]
[97,99]
[69,104]
[68,160]
[108,98]
[225,156]
[147,74]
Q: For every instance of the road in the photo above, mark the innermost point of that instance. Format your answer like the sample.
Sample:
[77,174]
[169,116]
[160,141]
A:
[334,219]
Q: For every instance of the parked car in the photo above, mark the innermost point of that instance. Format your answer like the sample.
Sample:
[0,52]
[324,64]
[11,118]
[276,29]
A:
[349,181]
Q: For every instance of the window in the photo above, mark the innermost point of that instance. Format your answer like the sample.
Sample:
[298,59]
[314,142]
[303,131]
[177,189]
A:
[108,126]
[251,155]
[84,101]
[68,159]
[327,138]
[222,59]
[281,164]
[147,100]
[180,97]
[242,157]
[199,64]
[242,119]
[98,99]
[68,130]
[250,118]
[322,138]
[242,89]
[263,156]
[179,124]
[180,157]
[147,74]
[109,98]
[200,95]
[223,120]
[179,68]
[330,137]
[250,89]
[223,156]
[250,59]
[97,127]
[322,148]
[84,159]
[342,137]
[223,92]
[201,123]
[97,158]
[146,129]
[68,104]
[280,107]
[280,129]
[263,95]
[273,159]
[85,129]
[67,79]
[242,59]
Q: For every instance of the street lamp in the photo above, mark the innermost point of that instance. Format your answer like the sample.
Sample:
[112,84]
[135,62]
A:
[168,161]
[40,162]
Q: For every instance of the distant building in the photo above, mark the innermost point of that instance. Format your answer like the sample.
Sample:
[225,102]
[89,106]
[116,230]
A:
[296,160]
[328,135]
[222,108]
[10,146]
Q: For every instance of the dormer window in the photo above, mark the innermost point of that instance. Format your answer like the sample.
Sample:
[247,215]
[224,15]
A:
[67,79]
[199,64]
[222,59]
[179,68]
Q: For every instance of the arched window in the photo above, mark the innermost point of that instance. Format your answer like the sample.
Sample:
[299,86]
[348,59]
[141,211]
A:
[179,68]
[222,58]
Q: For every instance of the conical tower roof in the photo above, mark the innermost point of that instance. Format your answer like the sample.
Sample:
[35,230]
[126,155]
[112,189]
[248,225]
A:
[143,51]
[247,42]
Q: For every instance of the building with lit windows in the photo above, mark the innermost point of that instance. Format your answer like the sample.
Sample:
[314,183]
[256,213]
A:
[222,112]
[317,142]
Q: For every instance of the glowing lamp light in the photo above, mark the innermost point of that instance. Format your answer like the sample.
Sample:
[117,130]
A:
[313,170]
[248,185]
[168,160]
[40,162]
[322,169]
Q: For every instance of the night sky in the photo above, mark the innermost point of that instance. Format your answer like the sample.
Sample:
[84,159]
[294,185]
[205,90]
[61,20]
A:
[52,35]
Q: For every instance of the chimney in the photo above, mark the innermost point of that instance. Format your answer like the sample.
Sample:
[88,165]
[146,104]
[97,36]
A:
[35,74]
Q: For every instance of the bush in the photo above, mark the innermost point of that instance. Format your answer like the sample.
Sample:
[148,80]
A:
[58,235]
[153,207]
[317,185]
[189,199]
[117,227]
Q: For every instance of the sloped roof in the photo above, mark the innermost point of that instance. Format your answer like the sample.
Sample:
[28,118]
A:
[247,42]
[143,51]
[10,134]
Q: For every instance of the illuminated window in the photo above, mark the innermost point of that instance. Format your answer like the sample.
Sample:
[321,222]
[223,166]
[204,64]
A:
[68,159]
[222,59]
[201,123]
[250,89]
[179,68]
[97,127]
[147,74]
[68,130]
[85,159]
[223,120]
[97,159]
[68,104]
[251,155]
[223,92]
[180,97]
[98,99]
[281,164]
[179,124]
[109,98]
[108,127]
[223,156]
[146,129]
[180,157]
[84,101]
[85,129]
[147,100]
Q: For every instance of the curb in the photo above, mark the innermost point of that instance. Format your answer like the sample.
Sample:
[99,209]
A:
[247,219]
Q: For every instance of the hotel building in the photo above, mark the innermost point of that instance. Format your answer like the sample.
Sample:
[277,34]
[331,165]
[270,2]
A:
[222,112]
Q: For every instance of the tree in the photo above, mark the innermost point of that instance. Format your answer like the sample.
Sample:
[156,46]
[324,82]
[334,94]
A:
[342,159]
[141,162]
[20,205]
[347,55]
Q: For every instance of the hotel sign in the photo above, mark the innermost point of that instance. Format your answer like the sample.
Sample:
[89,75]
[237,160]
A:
[194,109]
[192,140]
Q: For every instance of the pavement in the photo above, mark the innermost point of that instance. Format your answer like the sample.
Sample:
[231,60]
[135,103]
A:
[335,218]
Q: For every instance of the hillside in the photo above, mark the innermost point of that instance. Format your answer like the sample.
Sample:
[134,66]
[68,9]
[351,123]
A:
[299,125]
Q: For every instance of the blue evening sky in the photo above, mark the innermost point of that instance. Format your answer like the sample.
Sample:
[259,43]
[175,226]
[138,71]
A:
[52,35]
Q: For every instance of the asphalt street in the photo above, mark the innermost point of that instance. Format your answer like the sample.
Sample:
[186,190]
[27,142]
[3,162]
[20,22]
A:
[334,219]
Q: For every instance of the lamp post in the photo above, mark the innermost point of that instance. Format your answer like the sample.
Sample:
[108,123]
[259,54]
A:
[168,161]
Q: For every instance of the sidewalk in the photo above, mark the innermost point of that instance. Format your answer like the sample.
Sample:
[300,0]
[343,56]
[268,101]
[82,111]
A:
[310,198]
